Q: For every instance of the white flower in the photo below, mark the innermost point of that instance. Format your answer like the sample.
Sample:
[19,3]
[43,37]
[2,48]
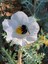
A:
[21,29]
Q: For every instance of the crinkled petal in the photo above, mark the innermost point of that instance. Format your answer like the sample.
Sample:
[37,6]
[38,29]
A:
[20,42]
[19,36]
[16,41]
[8,38]
[9,34]
[5,25]
[13,23]
[31,39]
[33,26]
[24,42]
[9,23]
[21,18]
[8,29]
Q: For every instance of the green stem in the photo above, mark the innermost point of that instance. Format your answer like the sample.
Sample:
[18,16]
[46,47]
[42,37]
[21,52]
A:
[10,60]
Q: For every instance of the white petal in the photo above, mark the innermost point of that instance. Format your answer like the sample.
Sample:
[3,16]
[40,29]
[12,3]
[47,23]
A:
[5,24]
[24,42]
[31,39]
[20,42]
[13,23]
[20,17]
[16,41]
[19,36]
[8,38]
[33,26]
[9,34]
[8,29]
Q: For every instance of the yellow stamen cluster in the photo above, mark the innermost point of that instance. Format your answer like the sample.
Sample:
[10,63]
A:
[19,30]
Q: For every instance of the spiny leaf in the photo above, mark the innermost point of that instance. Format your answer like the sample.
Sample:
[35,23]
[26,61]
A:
[10,60]
[42,10]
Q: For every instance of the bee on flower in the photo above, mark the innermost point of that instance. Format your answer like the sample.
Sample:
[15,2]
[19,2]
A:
[21,29]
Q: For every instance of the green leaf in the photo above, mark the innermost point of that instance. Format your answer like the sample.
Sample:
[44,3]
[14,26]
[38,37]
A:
[42,10]
[31,56]
[10,60]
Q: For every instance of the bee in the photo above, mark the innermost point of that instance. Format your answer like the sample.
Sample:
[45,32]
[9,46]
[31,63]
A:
[24,29]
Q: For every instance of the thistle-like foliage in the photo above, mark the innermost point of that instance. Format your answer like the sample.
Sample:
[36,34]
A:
[36,53]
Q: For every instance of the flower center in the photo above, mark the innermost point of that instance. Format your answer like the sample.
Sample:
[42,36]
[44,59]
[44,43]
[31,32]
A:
[21,29]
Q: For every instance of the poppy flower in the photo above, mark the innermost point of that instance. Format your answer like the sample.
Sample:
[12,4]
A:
[21,29]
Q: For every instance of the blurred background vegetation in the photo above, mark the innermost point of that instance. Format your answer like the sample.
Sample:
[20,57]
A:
[37,53]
